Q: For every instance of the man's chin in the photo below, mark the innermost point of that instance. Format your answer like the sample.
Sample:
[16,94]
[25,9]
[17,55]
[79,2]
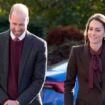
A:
[17,34]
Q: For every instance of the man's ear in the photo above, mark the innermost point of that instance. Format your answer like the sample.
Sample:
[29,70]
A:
[27,20]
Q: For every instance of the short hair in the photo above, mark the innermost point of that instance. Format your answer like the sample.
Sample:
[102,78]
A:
[97,16]
[19,8]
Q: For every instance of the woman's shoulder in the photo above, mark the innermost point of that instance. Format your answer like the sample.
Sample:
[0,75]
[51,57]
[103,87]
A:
[77,47]
[79,50]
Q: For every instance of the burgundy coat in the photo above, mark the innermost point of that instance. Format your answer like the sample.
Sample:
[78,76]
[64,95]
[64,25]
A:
[78,66]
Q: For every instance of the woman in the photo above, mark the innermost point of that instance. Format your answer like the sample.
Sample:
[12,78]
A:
[87,62]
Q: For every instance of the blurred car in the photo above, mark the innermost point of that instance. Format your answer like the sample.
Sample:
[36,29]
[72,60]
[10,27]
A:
[53,91]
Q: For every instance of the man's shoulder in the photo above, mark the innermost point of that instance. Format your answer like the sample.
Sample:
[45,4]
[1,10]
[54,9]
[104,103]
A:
[4,33]
[35,38]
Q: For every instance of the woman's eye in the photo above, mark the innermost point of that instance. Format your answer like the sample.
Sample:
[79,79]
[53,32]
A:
[90,29]
[98,30]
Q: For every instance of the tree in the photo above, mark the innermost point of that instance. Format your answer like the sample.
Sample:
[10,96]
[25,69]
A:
[49,14]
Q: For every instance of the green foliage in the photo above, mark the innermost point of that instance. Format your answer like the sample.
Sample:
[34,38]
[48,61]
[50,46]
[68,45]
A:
[4,25]
[37,30]
[51,13]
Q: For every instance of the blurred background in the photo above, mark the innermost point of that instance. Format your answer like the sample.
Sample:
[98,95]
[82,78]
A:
[60,22]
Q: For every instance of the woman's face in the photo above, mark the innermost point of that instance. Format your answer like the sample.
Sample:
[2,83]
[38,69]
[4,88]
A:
[96,32]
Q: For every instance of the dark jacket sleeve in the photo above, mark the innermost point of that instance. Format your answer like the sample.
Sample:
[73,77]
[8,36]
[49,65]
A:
[70,79]
[3,96]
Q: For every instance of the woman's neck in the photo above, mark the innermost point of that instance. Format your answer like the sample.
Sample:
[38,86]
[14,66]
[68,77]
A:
[95,47]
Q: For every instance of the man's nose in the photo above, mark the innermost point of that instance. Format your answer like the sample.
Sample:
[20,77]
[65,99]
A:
[17,28]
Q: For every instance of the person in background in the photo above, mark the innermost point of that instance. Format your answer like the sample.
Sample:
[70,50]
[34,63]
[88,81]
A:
[23,64]
[87,63]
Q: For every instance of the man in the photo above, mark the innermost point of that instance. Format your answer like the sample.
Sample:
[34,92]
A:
[22,61]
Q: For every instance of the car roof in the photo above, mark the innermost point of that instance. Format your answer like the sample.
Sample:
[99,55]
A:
[57,72]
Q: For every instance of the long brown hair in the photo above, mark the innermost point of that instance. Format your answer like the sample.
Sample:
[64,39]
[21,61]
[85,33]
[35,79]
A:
[97,16]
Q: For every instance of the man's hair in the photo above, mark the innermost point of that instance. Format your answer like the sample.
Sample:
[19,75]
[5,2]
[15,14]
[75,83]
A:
[19,8]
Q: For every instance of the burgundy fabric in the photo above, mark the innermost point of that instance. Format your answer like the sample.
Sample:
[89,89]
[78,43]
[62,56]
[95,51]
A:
[15,50]
[58,86]
[95,66]
[16,39]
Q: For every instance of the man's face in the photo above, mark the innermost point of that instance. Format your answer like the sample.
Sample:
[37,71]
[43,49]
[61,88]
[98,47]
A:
[18,23]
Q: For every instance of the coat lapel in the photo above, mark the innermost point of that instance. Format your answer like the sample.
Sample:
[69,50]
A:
[86,61]
[25,54]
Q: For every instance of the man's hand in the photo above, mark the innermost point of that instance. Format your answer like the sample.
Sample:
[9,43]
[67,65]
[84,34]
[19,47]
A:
[11,102]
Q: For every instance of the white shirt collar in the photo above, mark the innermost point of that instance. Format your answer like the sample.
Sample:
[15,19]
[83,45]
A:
[21,37]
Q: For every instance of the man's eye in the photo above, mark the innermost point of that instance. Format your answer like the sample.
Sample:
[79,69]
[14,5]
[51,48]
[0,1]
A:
[14,23]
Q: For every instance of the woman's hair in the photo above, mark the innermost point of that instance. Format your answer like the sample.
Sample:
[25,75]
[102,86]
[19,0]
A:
[97,16]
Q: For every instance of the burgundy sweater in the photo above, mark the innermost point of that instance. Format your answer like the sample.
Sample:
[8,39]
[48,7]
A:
[15,50]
